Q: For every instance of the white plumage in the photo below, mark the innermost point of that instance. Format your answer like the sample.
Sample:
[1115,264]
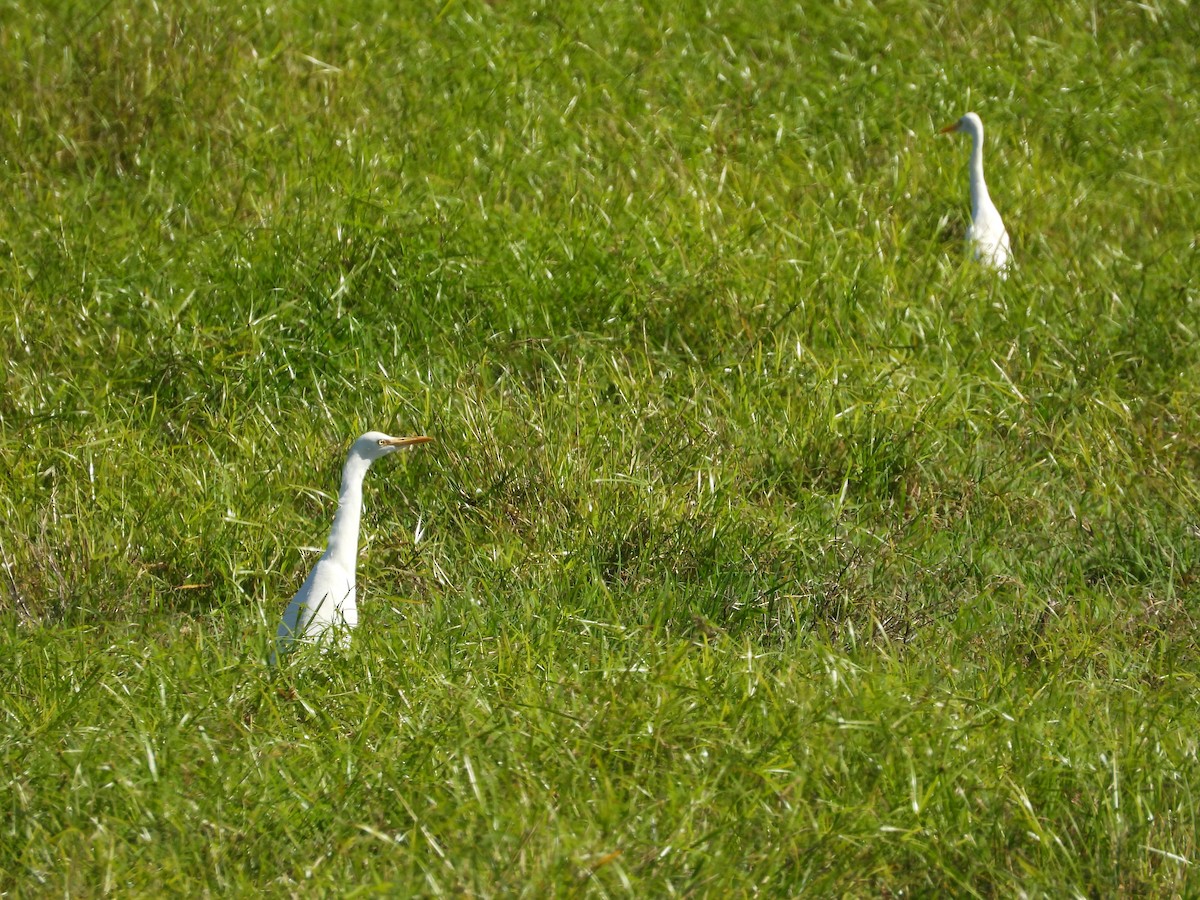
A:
[325,602]
[987,236]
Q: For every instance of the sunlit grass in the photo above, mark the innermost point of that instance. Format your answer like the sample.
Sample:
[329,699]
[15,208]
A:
[767,545]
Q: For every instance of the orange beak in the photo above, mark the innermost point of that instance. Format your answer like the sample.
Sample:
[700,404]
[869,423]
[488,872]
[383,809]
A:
[406,441]
[948,129]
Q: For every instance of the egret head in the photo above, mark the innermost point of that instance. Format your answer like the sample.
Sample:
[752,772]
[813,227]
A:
[970,123]
[375,444]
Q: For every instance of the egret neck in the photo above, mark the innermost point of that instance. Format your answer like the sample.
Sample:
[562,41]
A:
[343,536]
[979,192]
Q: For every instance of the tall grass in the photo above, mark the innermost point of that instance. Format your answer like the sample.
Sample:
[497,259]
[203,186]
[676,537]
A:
[767,545]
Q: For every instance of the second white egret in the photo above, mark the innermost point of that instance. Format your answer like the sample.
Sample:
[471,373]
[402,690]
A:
[987,236]
[325,602]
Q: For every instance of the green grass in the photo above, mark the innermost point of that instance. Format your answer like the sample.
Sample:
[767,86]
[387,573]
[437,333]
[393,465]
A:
[767,545]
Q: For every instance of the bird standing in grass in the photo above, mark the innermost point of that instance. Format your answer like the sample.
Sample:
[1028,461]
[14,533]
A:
[987,236]
[325,601]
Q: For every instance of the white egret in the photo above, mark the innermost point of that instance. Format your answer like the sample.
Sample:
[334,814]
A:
[325,601]
[987,237]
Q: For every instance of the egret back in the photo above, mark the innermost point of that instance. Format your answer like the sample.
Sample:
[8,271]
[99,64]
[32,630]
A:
[324,602]
[988,238]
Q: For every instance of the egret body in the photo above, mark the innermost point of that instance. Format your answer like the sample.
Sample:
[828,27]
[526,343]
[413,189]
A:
[987,236]
[325,601]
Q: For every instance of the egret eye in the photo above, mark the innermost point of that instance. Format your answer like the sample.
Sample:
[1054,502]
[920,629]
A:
[382,442]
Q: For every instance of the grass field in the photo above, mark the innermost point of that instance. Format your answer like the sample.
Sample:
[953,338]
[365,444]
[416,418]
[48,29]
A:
[767,545]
